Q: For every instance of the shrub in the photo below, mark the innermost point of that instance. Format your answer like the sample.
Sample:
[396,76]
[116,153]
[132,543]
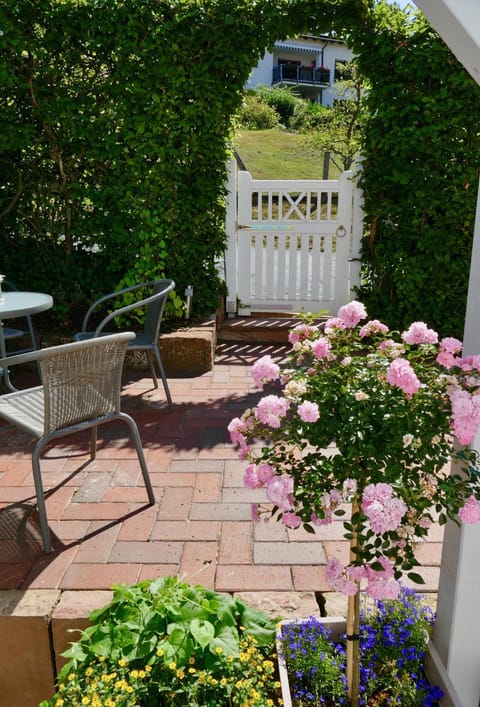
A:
[282,100]
[255,114]
[165,642]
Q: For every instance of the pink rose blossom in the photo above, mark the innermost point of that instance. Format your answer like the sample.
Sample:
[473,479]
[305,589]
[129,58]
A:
[391,348]
[372,327]
[349,488]
[380,589]
[280,492]
[376,492]
[237,428]
[321,347]
[470,512]
[465,414]
[334,570]
[291,520]
[446,359]
[250,478]
[352,313]
[451,345]
[264,370]
[334,323]
[271,409]
[419,333]
[401,374]
[383,510]
[300,333]
[265,473]
[308,412]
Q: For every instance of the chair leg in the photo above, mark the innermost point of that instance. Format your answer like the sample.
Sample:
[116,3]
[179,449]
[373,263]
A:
[163,377]
[141,457]
[93,442]
[42,511]
[152,368]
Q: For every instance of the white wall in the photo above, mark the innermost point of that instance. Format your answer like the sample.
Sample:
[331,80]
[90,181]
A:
[262,73]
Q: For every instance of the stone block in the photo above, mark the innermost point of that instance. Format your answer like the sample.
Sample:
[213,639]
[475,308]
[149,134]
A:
[71,616]
[27,675]
[189,351]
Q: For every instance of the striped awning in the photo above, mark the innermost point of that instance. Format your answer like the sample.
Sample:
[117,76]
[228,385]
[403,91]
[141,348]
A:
[298,47]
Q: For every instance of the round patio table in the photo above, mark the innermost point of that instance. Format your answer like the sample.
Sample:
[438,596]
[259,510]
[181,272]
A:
[19,304]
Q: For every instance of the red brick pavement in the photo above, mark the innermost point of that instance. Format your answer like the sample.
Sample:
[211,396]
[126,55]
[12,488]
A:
[104,532]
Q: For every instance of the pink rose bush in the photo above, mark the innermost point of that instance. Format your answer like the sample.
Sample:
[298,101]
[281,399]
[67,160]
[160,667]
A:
[360,427]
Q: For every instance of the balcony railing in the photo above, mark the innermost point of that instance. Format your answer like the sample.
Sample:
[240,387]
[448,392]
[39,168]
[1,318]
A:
[300,75]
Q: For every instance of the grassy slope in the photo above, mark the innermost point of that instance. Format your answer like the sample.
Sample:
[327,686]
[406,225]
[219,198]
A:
[278,154]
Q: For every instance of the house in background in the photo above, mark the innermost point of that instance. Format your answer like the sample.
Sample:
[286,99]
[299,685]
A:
[308,64]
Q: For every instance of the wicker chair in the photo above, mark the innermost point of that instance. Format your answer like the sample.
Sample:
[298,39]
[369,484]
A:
[147,339]
[80,390]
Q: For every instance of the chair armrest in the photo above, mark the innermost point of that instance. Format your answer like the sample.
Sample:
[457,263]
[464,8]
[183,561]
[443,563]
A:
[62,348]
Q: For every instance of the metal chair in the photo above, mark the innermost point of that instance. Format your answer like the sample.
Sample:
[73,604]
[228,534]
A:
[80,390]
[147,339]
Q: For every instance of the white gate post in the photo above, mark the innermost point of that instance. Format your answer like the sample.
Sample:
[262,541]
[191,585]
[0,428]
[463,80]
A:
[457,628]
[357,233]
[231,252]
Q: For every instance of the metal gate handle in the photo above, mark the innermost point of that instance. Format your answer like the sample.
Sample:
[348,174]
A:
[341,231]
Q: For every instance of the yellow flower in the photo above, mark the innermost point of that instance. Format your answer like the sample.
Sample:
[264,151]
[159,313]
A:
[71,677]
[148,668]
[59,702]
[180,674]
[123,663]
[89,671]
[159,652]
[219,650]
[191,660]
[134,674]
[230,659]
[85,700]
[172,665]
[141,674]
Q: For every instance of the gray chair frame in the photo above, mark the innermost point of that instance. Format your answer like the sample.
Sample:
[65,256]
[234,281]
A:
[81,390]
[147,339]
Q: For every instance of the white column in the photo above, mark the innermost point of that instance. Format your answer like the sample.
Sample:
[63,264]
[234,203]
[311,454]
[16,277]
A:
[457,629]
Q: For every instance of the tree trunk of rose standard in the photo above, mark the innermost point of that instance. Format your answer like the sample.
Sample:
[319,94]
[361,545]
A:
[353,631]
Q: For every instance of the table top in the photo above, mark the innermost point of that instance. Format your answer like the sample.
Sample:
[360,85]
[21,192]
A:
[20,304]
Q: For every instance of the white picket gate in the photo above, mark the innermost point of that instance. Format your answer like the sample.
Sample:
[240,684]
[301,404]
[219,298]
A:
[292,245]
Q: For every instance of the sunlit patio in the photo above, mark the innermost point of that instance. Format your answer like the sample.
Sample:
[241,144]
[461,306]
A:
[103,530]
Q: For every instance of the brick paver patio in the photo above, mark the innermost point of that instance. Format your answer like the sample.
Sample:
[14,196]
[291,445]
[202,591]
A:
[104,532]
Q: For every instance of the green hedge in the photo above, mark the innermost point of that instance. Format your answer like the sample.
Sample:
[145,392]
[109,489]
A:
[114,135]
[420,173]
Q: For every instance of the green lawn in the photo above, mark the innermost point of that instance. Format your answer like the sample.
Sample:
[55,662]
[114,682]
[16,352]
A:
[278,154]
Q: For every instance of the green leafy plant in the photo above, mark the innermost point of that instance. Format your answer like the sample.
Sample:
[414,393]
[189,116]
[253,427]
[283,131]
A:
[166,642]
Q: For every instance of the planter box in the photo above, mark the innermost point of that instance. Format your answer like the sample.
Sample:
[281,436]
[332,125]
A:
[434,668]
